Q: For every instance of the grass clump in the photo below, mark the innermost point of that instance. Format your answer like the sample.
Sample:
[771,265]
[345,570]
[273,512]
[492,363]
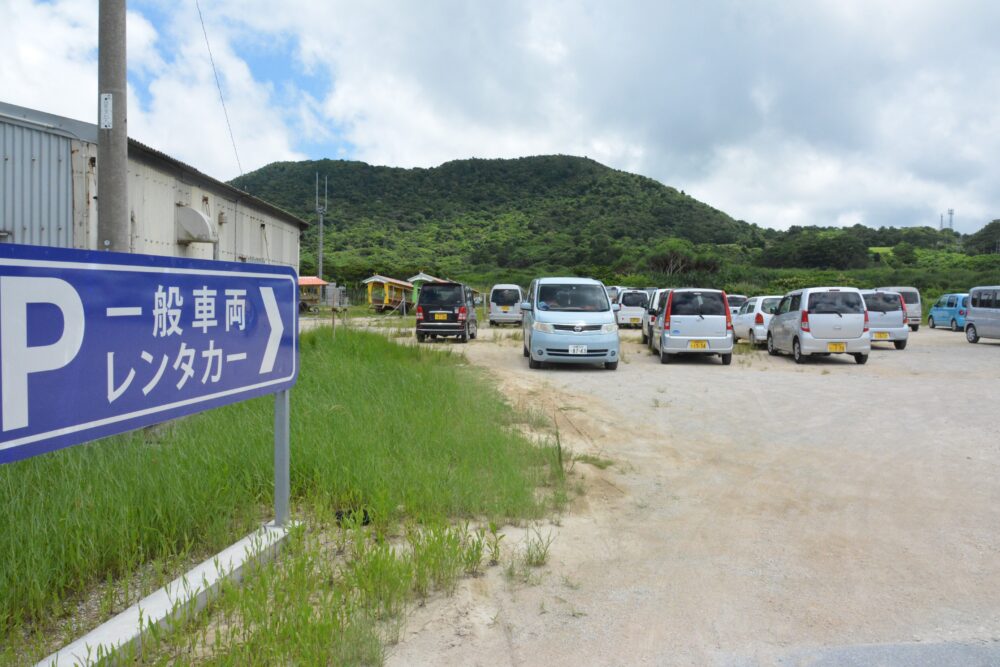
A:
[401,432]
[596,461]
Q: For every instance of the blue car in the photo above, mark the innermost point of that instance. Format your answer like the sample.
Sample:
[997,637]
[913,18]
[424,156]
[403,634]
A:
[949,311]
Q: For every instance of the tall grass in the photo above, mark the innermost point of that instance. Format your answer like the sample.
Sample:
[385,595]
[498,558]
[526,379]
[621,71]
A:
[400,432]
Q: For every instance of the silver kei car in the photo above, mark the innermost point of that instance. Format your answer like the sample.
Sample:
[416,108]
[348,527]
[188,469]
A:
[820,321]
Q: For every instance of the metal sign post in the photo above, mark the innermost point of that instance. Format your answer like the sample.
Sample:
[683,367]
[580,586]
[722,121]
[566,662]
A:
[281,457]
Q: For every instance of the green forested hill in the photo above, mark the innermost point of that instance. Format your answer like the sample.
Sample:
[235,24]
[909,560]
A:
[476,218]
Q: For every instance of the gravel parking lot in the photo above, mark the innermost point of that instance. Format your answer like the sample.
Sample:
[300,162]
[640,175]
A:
[761,513]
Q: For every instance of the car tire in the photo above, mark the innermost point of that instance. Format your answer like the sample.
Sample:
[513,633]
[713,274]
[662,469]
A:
[464,336]
[900,344]
[753,339]
[861,359]
[664,357]
[797,352]
[532,363]
[971,334]
[930,322]
[954,325]
[771,349]
[474,332]
[645,337]
[914,327]
[727,359]
[421,337]
[492,323]
[611,365]
[524,349]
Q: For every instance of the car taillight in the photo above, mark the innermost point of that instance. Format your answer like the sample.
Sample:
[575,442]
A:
[420,312]
[666,312]
[729,313]
[902,304]
[866,321]
[805,320]
[759,319]
[962,313]
[463,313]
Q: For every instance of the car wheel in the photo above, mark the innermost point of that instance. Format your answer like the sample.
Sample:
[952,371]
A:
[645,336]
[954,325]
[611,365]
[474,332]
[930,322]
[464,336]
[492,323]
[914,327]
[753,339]
[971,334]
[900,344]
[797,352]
[524,349]
[420,337]
[727,359]
[861,359]
[533,364]
[664,357]
[771,349]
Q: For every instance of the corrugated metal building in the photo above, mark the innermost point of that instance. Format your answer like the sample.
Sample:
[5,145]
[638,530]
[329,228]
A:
[48,196]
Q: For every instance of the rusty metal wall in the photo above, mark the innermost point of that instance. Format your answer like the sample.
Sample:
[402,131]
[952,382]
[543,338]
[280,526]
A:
[36,187]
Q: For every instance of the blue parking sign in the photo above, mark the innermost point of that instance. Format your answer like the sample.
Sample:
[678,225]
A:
[97,343]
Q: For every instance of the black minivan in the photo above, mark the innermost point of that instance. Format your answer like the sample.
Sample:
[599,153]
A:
[446,309]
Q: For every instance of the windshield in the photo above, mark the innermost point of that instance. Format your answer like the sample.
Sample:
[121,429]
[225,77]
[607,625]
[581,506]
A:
[447,295]
[883,302]
[572,298]
[635,299]
[836,302]
[769,306]
[735,301]
[697,303]
[505,297]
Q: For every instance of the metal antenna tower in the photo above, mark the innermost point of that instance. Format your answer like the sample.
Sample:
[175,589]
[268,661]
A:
[951,218]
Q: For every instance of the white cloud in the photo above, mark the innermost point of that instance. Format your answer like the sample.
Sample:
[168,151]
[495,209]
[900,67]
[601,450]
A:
[779,113]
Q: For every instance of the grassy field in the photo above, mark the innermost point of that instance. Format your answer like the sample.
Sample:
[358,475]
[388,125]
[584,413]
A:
[404,435]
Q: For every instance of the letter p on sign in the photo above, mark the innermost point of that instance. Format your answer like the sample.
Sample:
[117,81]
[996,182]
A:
[20,360]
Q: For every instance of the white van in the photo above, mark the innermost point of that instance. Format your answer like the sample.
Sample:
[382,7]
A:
[633,304]
[983,320]
[505,304]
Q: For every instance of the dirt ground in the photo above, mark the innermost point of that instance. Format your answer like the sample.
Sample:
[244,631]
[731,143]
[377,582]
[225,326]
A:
[757,514]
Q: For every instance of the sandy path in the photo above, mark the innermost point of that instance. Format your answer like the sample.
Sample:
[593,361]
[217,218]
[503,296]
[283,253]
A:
[764,513]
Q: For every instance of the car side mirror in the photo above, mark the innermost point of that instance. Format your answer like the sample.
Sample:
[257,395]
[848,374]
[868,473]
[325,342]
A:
[616,307]
[525,305]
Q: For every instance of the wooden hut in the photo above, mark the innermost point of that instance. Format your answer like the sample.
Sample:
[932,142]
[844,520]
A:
[310,293]
[388,293]
[419,280]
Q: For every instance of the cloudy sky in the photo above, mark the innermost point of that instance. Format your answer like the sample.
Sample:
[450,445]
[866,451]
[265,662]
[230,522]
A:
[779,112]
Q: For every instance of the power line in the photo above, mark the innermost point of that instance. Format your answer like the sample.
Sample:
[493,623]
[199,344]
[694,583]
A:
[219,86]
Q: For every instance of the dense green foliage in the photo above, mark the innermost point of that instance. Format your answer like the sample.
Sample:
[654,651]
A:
[486,221]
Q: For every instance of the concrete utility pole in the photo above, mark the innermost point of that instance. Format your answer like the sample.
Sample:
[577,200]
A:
[951,218]
[112,134]
[320,211]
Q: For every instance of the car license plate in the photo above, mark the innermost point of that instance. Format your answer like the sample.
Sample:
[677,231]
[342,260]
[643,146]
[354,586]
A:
[505,308]
[636,320]
[697,344]
[881,335]
[578,349]
[440,316]
[836,347]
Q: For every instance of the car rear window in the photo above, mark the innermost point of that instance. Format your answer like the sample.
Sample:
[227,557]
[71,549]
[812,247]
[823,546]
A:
[572,298]
[697,303]
[448,295]
[736,301]
[505,297]
[635,299]
[883,302]
[909,296]
[836,302]
[769,306]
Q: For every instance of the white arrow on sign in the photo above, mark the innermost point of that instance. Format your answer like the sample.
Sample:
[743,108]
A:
[277,328]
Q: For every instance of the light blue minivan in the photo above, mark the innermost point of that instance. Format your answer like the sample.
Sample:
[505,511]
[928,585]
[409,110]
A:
[949,311]
[569,321]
